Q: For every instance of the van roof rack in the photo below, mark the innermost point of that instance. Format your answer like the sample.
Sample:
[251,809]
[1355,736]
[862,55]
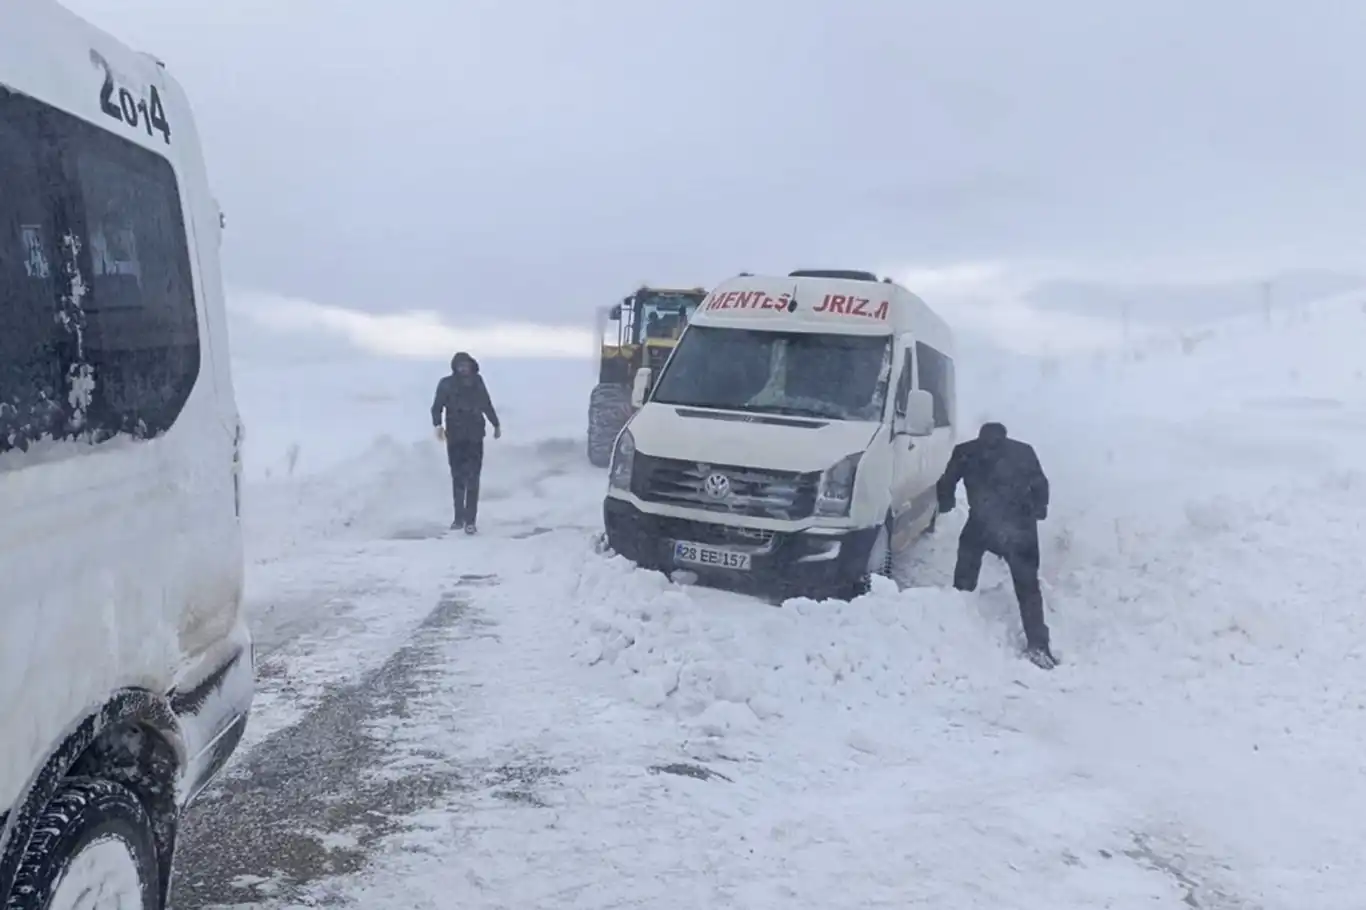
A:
[847,274]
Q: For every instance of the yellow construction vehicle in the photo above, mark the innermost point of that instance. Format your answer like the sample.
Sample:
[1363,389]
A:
[648,325]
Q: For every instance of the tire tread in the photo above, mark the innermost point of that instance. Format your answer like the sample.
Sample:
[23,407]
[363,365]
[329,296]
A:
[609,407]
[78,799]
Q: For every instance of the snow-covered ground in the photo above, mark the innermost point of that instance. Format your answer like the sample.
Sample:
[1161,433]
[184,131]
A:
[606,739]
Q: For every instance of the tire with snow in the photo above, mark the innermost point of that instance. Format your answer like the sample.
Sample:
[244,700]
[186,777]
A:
[881,561]
[609,407]
[92,849]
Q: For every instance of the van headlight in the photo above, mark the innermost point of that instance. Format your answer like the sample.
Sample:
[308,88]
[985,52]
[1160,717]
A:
[623,459]
[836,493]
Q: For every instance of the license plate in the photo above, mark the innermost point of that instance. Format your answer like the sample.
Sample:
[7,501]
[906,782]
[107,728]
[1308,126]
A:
[700,554]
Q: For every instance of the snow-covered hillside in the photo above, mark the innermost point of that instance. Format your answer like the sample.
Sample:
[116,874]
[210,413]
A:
[684,747]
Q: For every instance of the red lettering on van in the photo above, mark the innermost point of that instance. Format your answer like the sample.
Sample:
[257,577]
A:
[845,305]
[746,300]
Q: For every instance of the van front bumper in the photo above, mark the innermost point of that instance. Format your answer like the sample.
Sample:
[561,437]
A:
[813,562]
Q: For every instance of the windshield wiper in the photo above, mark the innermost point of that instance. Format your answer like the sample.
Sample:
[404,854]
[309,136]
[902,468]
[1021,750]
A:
[831,413]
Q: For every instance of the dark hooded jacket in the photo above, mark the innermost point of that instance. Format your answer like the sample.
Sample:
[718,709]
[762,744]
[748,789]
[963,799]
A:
[1006,486]
[465,402]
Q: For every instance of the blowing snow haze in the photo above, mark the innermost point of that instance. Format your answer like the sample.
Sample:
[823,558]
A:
[748,614]
[521,163]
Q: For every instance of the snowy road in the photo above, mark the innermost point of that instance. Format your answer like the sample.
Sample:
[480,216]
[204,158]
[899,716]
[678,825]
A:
[515,721]
[354,605]
[306,803]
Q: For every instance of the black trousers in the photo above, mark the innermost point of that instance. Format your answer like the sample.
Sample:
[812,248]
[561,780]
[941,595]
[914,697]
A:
[1019,547]
[466,458]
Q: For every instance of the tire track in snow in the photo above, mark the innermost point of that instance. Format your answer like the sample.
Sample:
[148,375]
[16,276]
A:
[307,802]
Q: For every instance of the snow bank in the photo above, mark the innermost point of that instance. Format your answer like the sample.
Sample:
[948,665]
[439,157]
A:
[724,663]
[821,756]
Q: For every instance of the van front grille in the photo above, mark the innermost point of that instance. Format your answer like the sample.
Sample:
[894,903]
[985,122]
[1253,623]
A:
[729,489]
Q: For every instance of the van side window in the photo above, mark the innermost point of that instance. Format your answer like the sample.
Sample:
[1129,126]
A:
[142,336]
[936,377]
[32,384]
[98,329]
[905,382]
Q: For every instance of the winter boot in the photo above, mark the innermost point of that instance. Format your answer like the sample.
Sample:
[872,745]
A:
[1041,657]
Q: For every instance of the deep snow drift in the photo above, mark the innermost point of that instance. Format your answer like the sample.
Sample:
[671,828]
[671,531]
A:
[1199,746]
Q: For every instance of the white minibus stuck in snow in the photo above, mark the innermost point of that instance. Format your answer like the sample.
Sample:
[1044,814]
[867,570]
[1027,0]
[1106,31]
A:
[792,442]
[125,661]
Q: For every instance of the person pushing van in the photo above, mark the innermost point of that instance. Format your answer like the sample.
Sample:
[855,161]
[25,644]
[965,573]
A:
[1007,498]
[464,400]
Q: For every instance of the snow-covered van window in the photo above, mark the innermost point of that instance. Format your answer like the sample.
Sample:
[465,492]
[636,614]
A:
[840,377]
[98,331]
[31,368]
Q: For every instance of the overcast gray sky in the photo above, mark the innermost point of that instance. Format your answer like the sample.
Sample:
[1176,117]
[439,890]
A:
[497,159]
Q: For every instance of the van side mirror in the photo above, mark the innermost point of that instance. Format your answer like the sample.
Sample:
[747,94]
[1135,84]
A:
[640,389]
[614,313]
[919,417]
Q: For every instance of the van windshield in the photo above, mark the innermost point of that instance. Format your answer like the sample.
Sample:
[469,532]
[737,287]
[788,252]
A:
[839,377]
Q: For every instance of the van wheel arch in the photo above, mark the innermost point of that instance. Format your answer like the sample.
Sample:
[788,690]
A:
[862,581]
[133,739]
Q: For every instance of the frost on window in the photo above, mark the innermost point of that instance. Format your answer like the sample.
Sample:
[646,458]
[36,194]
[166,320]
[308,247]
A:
[838,377]
[35,261]
[31,342]
[824,377]
[141,331]
[80,375]
[98,329]
[114,249]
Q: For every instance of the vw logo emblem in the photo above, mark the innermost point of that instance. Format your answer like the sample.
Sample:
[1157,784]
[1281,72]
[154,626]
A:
[717,486]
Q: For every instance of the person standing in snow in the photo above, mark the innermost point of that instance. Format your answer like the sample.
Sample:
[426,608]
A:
[464,400]
[1007,498]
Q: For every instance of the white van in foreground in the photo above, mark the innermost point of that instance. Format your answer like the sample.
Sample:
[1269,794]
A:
[125,662]
[793,440]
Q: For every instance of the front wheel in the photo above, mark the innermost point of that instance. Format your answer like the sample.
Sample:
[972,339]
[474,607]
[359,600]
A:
[92,849]
[880,562]
[609,407]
